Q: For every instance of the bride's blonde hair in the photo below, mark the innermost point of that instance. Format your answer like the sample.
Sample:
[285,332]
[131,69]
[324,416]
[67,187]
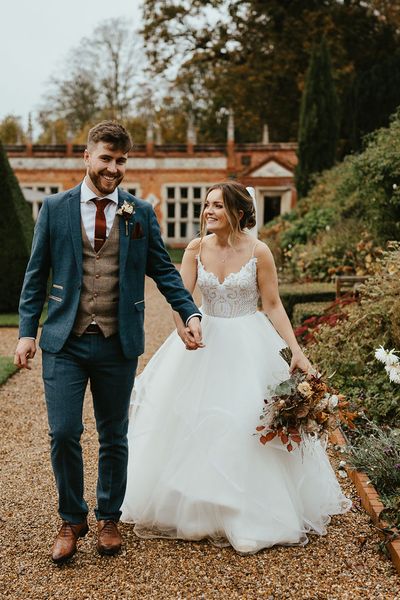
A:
[236,200]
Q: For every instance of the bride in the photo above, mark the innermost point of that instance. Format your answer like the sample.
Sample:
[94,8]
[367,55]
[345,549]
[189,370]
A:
[196,470]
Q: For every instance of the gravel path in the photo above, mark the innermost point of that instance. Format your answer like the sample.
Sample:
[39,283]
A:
[345,564]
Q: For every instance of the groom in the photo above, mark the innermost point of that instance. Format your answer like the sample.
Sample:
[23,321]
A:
[98,242]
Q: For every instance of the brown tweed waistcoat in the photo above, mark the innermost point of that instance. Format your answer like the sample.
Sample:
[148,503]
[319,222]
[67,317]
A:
[100,285]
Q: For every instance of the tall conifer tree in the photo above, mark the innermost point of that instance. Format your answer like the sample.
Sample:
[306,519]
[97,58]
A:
[16,229]
[319,120]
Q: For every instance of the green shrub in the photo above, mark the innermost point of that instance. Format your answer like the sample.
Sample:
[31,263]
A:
[292,294]
[16,229]
[356,203]
[347,350]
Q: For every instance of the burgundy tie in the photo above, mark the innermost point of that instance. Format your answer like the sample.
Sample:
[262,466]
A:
[100,228]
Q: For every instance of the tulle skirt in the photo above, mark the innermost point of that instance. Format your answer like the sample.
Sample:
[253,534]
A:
[196,468]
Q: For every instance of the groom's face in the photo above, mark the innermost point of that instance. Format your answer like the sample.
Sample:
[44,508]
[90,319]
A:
[105,167]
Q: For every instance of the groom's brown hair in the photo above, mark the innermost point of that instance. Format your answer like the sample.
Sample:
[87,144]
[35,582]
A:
[112,133]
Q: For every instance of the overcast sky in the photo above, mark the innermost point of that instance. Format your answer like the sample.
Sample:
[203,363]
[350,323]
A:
[36,35]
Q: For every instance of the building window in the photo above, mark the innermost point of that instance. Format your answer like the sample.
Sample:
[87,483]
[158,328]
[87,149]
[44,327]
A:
[131,187]
[182,211]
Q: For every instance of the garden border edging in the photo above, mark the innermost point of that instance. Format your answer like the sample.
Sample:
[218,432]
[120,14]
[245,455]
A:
[369,499]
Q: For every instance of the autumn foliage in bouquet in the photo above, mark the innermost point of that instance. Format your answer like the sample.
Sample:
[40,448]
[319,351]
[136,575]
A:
[303,406]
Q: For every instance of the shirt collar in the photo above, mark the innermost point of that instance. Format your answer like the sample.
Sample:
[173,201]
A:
[87,194]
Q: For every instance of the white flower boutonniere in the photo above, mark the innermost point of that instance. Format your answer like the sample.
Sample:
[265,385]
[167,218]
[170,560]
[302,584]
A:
[126,211]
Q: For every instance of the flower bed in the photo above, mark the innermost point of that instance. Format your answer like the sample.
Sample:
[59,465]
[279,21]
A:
[372,504]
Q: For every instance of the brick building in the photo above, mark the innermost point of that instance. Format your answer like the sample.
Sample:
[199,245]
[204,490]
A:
[173,178]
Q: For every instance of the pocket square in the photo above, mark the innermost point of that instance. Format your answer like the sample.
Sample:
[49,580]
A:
[137,231]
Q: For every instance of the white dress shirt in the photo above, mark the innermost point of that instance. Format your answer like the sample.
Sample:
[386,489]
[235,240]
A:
[88,210]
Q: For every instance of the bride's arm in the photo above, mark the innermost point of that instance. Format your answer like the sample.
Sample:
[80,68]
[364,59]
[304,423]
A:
[267,279]
[188,273]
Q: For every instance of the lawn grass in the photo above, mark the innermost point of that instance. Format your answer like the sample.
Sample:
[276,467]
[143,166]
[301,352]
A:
[12,319]
[176,254]
[7,368]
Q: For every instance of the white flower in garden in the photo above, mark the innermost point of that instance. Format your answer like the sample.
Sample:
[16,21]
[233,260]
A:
[380,354]
[394,373]
[387,357]
[395,186]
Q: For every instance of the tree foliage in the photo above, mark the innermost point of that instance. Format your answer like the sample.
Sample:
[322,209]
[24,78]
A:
[253,56]
[16,229]
[319,121]
[98,81]
[11,130]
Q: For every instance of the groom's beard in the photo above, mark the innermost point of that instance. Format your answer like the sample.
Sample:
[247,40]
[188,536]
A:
[100,183]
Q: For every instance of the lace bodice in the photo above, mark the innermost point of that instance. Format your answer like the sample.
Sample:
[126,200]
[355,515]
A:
[236,296]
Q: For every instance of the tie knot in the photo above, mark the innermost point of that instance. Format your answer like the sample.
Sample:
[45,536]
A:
[101,203]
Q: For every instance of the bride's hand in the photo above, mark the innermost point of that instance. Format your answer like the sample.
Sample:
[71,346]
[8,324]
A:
[300,361]
[187,338]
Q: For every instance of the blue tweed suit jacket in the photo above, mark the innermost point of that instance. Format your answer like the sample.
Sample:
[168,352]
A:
[57,249]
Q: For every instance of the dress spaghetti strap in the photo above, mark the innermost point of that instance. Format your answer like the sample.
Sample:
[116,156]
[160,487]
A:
[254,247]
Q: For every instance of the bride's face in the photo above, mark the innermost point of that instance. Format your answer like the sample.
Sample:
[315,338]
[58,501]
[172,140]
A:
[214,212]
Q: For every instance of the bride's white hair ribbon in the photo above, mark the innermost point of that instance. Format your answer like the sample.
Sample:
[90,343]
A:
[254,230]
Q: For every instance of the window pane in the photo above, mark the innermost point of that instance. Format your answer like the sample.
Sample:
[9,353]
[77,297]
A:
[54,189]
[132,191]
[196,210]
[196,192]
[170,230]
[184,192]
[170,210]
[184,210]
[170,192]
[183,229]
[41,189]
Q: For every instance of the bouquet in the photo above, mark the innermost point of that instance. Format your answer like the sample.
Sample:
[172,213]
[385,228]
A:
[302,407]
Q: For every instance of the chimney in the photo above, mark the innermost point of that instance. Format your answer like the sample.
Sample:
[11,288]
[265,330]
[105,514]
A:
[70,137]
[231,144]
[158,135]
[29,136]
[150,139]
[191,134]
[265,135]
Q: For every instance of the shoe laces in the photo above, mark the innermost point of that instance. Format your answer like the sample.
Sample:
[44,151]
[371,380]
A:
[109,527]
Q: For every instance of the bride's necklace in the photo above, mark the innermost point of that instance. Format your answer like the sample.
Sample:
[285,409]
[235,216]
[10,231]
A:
[226,254]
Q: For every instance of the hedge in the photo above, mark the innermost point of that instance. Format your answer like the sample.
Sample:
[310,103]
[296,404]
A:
[16,230]
[300,293]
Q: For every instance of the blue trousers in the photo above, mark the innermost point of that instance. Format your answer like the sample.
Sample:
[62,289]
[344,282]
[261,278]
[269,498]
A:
[66,375]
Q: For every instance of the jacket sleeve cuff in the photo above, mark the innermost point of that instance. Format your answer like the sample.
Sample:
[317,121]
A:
[191,317]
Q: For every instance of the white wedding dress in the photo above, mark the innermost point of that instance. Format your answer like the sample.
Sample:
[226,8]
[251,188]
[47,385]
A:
[196,470]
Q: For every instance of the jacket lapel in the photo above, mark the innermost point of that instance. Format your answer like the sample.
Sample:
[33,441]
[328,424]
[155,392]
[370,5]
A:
[74,215]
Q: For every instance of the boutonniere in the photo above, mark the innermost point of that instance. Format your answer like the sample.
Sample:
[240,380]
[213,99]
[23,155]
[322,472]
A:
[126,211]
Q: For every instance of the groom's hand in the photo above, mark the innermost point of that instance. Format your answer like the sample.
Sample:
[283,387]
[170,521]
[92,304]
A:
[26,349]
[194,334]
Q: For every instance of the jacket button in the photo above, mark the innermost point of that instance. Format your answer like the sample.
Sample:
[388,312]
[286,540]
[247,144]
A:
[97,275]
[95,295]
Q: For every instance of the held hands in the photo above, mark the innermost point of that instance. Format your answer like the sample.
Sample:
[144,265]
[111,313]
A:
[26,349]
[191,335]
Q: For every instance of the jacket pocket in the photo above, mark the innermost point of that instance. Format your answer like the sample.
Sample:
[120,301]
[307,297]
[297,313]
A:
[56,298]
[58,287]
[139,305]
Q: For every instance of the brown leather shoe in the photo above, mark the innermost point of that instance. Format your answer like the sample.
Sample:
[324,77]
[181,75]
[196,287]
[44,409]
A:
[109,538]
[65,543]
